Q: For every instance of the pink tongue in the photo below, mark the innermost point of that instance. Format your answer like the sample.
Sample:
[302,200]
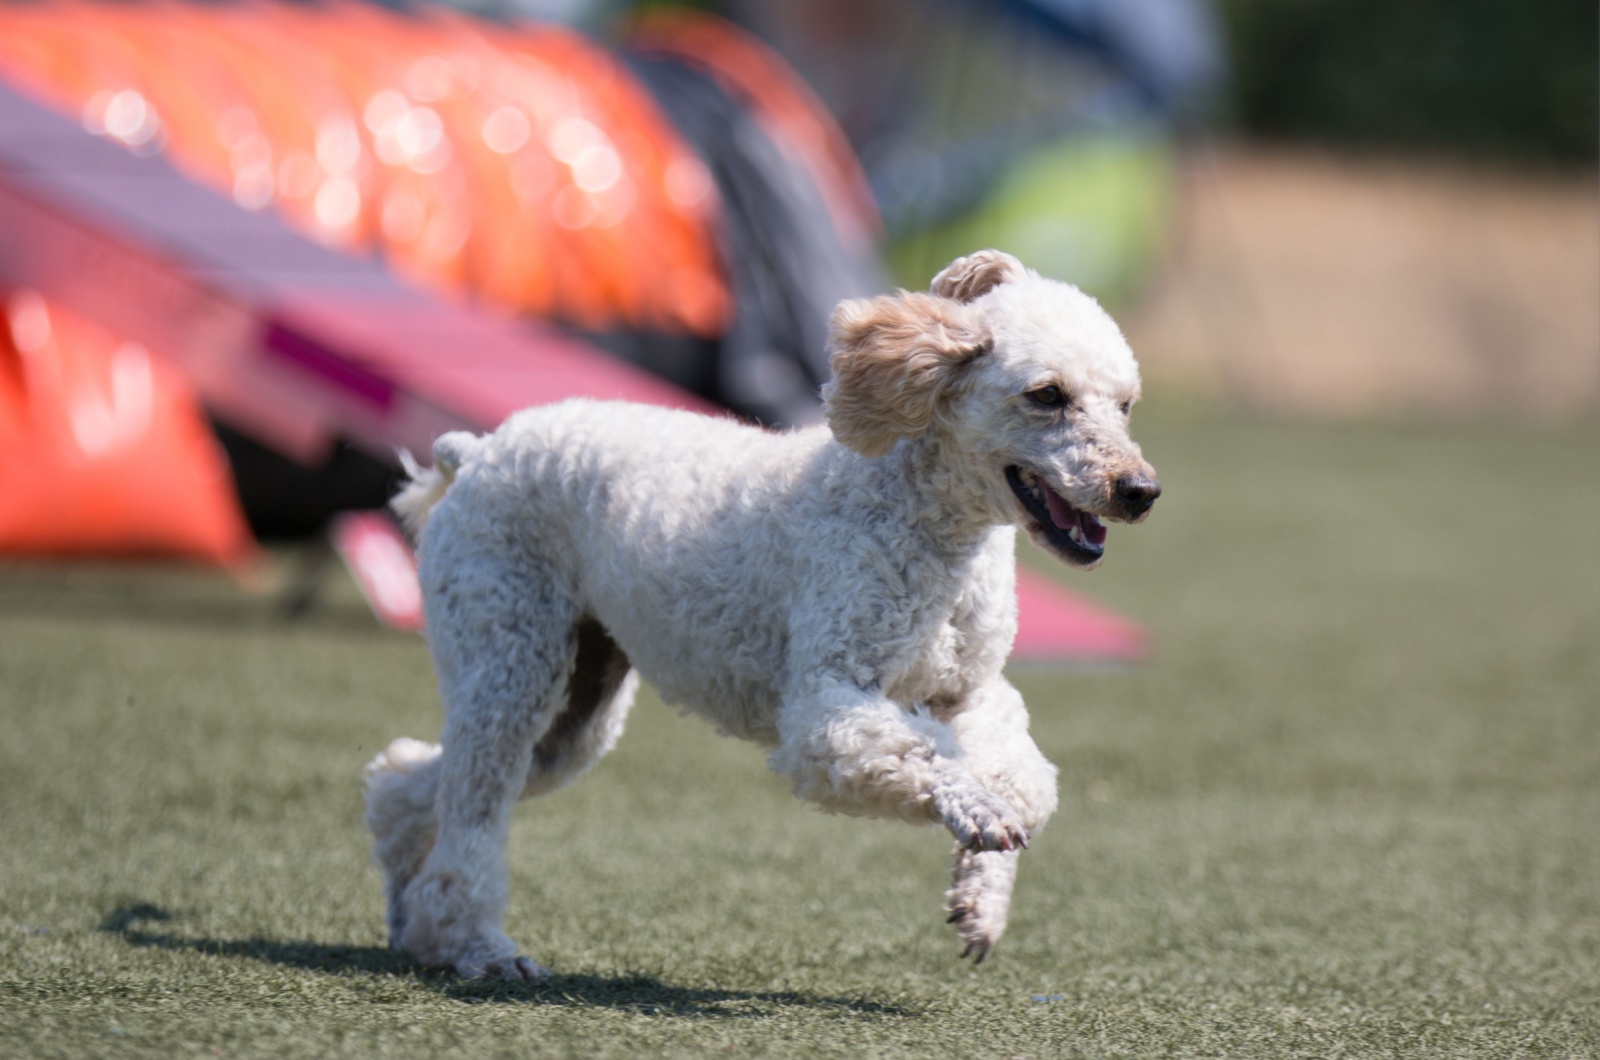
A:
[1064,515]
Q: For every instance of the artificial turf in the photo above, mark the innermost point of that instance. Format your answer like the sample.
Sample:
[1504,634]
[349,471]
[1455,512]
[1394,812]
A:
[1351,807]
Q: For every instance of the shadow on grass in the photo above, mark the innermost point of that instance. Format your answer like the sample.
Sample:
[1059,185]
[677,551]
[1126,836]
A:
[168,595]
[643,994]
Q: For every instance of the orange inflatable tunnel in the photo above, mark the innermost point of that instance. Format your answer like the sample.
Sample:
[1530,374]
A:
[103,449]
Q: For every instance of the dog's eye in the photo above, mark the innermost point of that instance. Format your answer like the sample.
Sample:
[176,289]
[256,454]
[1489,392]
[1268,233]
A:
[1126,407]
[1048,396]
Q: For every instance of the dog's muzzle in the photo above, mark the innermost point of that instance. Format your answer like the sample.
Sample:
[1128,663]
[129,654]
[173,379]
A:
[1077,536]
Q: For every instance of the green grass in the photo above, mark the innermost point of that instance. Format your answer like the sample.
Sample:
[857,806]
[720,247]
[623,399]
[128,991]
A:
[1350,808]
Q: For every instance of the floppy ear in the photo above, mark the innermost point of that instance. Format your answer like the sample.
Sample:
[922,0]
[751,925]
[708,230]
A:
[892,357]
[976,275]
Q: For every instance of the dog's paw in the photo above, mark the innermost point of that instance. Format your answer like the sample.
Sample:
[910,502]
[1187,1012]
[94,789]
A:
[981,820]
[513,969]
[979,899]
[969,928]
[978,943]
[977,928]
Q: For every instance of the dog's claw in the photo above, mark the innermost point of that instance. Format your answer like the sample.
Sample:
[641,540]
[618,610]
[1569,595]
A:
[1010,839]
[981,820]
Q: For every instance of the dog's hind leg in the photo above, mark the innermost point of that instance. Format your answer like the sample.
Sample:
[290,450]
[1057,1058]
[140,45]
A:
[504,641]
[402,784]
[599,694]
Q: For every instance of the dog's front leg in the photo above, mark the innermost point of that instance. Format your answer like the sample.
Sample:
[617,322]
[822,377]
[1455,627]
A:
[855,752]
[993,733]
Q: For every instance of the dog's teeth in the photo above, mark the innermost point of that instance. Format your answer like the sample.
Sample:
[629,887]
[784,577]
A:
[1076,533]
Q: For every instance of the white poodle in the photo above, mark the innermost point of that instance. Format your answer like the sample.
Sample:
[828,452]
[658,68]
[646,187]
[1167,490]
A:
[844,596]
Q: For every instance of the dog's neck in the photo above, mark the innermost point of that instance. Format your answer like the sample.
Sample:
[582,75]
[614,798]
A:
[943,492]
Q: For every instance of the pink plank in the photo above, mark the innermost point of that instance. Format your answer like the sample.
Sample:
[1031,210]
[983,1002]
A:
[1054,623]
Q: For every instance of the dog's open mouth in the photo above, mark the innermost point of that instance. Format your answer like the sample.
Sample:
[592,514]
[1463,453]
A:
[1076,534]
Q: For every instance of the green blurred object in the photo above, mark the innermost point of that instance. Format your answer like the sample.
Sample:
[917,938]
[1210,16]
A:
[1471,77]
[1088,210]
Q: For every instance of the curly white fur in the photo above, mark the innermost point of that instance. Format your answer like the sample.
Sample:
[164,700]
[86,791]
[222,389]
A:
[844,595]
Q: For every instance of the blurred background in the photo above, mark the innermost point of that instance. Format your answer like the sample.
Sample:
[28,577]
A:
[1295,207]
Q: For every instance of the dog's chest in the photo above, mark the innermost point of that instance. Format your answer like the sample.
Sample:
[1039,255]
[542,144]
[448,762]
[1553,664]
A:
[939,675]
[964,644]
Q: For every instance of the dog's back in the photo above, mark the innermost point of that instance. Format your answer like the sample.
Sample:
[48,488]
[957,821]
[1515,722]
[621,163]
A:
[684,535]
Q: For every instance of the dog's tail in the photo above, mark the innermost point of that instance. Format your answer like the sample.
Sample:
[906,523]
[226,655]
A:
[426,486]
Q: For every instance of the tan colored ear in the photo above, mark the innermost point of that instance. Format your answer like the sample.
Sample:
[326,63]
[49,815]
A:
[892,358]
[976,275]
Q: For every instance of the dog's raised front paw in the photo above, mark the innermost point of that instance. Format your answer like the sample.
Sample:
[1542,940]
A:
[981,820]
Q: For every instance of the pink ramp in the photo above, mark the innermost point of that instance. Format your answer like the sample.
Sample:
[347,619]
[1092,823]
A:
[1055,624]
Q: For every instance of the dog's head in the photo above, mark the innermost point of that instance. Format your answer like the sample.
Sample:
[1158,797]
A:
[1023,383]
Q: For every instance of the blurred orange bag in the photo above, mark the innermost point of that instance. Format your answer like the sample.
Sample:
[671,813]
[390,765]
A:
[103,449]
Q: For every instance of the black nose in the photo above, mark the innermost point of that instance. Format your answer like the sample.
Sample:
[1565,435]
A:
[1137,493]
